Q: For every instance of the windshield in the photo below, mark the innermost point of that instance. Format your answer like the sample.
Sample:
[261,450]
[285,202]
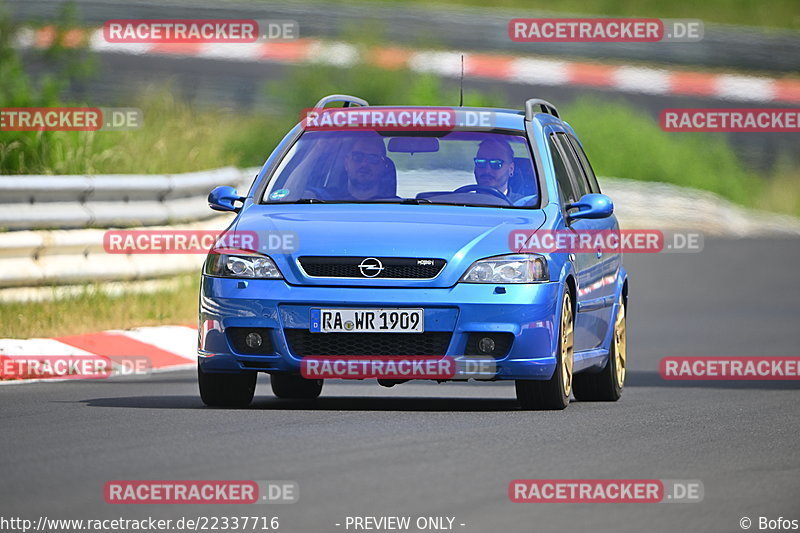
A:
[458,168]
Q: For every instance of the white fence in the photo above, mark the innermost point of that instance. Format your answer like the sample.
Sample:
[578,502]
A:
[35,202]
[48,242]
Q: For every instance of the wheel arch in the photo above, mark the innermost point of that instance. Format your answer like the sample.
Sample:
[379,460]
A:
[572,287]
[624,293]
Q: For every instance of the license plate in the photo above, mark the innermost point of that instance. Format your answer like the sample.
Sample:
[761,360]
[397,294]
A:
[366,321]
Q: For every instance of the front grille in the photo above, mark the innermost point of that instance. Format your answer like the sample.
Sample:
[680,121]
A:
[390,267]
[304,343]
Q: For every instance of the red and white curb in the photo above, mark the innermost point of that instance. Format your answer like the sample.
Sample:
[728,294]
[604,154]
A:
[164,347]
[517,69]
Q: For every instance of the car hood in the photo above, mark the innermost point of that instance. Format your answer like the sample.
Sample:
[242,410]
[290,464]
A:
[459,235]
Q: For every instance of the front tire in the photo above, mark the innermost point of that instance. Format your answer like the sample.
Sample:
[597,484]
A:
[226,390]
[293,387]
[553,394]
[606,386]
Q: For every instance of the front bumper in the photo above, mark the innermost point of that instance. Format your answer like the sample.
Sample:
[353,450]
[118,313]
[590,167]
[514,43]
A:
[528,312]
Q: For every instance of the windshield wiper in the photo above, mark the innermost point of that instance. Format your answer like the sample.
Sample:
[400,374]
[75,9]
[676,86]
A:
[412,201]
[407,201]
[416,201]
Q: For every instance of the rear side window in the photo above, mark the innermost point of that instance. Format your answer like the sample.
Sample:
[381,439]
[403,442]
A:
[565,187]
[587,167]
[574,166]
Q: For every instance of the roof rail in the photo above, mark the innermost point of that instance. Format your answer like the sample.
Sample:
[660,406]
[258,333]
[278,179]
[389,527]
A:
[349,101]
[546,106]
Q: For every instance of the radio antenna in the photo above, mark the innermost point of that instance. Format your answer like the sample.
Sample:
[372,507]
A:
[461,92]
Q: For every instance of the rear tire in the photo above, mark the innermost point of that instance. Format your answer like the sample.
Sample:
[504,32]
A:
[606,386]
[553,394]
[291,387]
[226,390]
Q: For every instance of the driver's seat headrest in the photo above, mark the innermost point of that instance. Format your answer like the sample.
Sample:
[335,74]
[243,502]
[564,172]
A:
[523,181]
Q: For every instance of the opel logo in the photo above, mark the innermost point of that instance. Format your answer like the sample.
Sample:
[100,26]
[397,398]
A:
[370,267]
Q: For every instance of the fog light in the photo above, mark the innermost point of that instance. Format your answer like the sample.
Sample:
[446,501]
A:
[486,345]
[253,340]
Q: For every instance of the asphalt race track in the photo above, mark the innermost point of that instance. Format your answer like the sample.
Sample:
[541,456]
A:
[451,450]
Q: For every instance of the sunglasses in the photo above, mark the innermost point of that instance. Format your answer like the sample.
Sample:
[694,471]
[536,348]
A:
[493,163]
[372,159]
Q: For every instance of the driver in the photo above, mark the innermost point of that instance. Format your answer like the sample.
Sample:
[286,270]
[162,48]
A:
[365,165]
[494,165]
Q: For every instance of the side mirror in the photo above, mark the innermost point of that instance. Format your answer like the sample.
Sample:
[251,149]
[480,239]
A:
[592,205]
[222,199]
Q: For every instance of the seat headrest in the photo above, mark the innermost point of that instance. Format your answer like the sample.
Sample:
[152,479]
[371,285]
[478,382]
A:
[523,180]
[388,185]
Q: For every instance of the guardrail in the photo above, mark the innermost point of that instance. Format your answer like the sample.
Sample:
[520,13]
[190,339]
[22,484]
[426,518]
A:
[66,257]
[36,202]
[31,256]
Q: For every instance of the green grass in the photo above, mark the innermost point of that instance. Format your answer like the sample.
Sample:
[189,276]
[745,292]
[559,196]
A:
[767,13]
[93,310]
[174,138]
[624,142]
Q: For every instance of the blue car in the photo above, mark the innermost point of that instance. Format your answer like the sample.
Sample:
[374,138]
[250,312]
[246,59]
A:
[404,236]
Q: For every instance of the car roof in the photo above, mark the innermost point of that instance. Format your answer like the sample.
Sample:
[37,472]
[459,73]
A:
[504,118]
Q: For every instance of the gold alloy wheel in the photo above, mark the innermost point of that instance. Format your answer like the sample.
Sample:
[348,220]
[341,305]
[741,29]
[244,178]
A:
[620,348]
[567,345]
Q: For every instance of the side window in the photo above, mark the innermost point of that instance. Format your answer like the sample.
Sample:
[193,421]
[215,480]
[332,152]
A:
[565,188]
[587,167]
[579,179]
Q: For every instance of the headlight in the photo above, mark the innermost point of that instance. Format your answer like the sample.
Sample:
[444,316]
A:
[241,266]
[521,268]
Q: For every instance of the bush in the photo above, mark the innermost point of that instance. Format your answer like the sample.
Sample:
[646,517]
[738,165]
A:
[626,143]
[24,151]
